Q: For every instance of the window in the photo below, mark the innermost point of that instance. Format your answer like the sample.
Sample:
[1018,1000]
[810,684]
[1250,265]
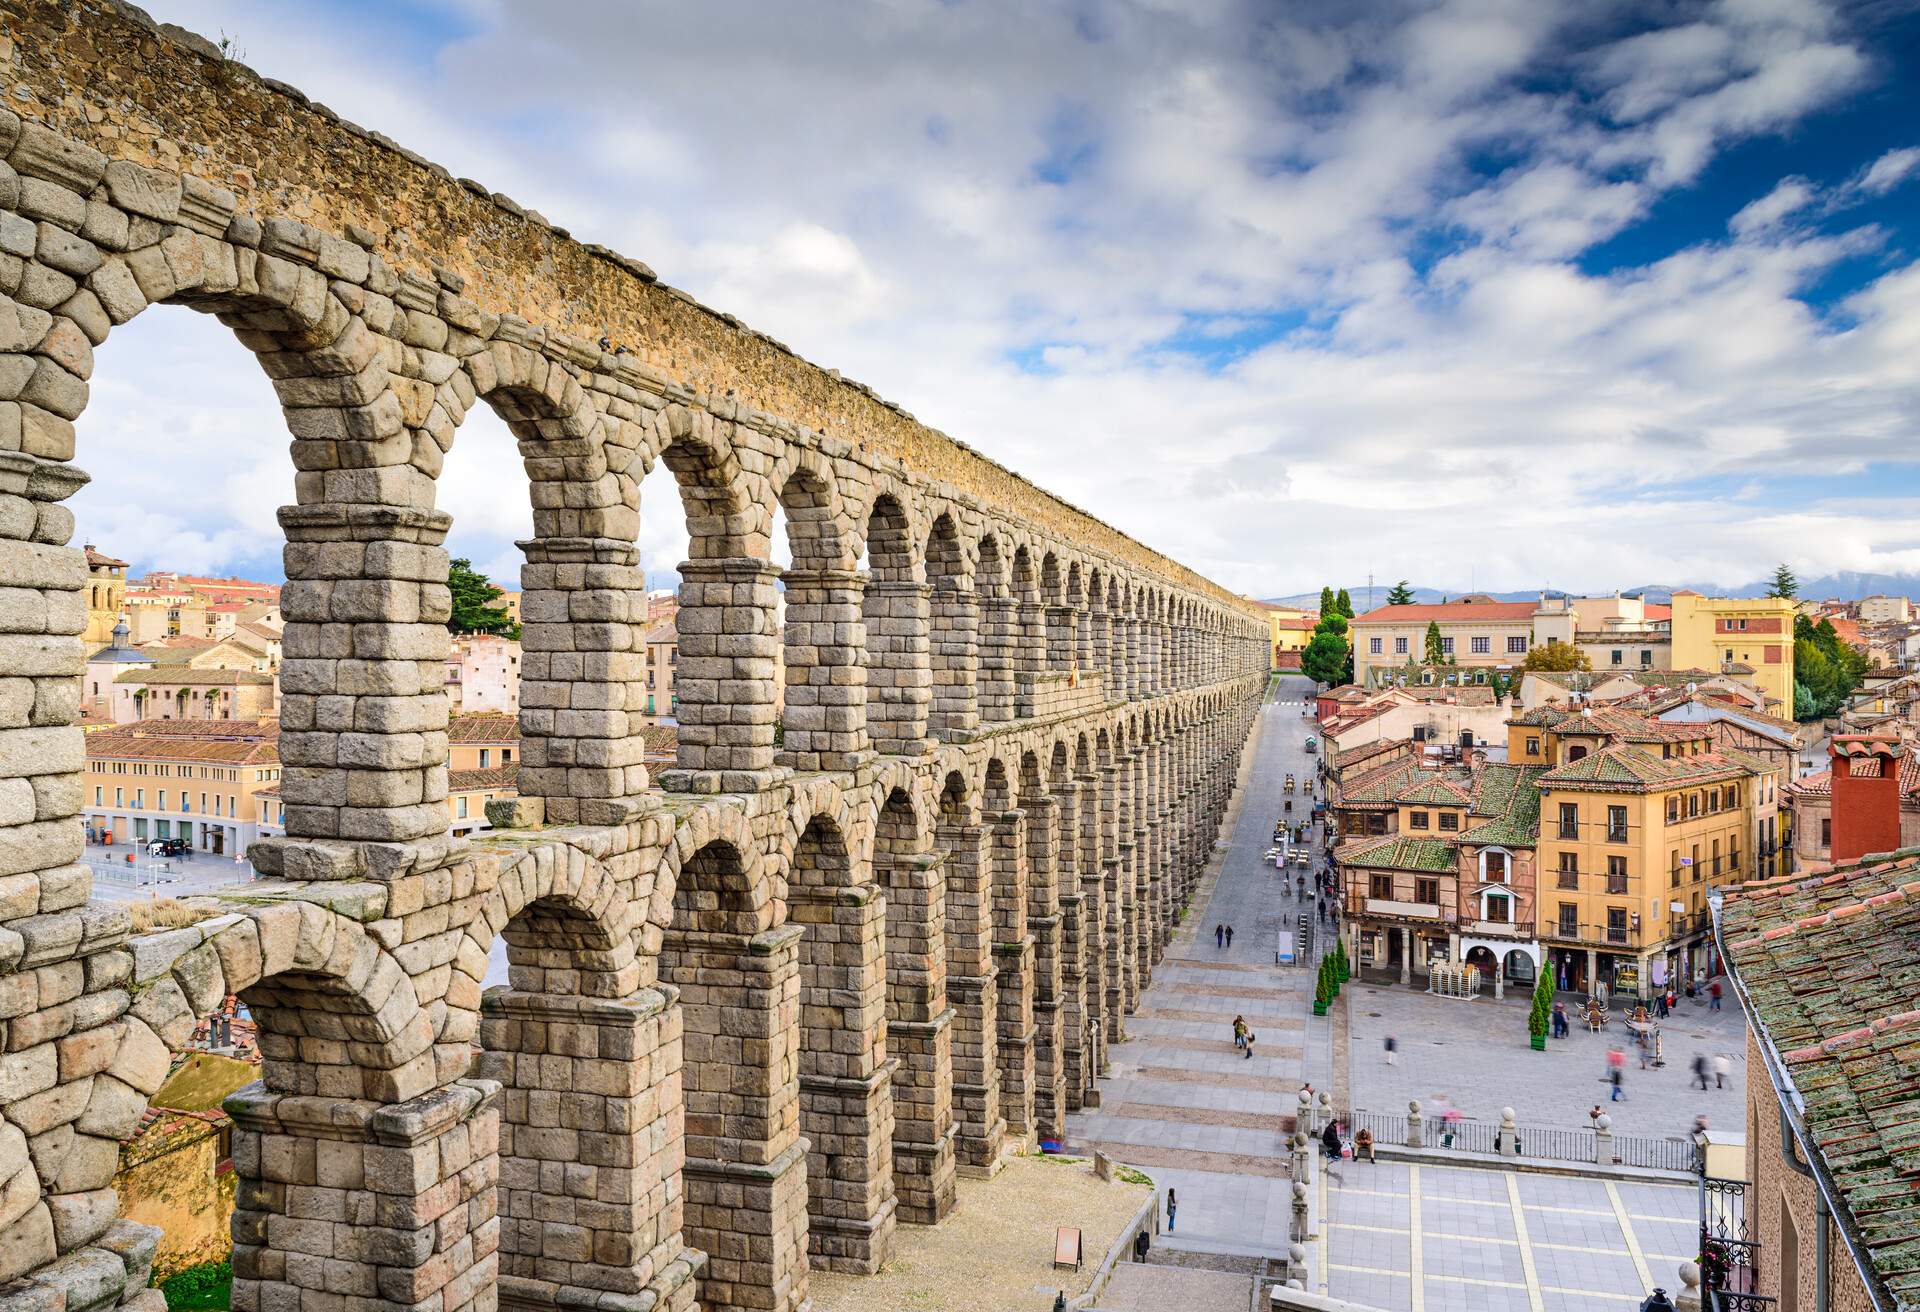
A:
[1616,874]
[486,757]
[1448,820]
[1446,646]
[1729,654]
[1533,747]
[1496,867]
[506,756]
[1673,809]
[1399,646]
[140,799]
[1733,860]
[1826,832]
[1616,656]
[1716,857]
[1569,870]
[1616,924]
[1713,801]
[1500,909]
[1427,891]
[1616,824]
[1381,887]
[1733,797]
[1646,659]
[119,797]
[98,790]
[1516,646]
[460,807]
[1675,880]
[1416,819]
[163,799]
[1375,646]
[1482,646]
[1569,820]
[1693,805]
[1569,926]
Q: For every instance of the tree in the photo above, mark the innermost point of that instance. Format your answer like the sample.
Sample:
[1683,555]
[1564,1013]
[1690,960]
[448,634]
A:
[1784,583]
[1436,653]
[1326,602]
[1556,656]
[1541,1014]
[1402,595]
[1825,669]
[1343,604]
[473,595]
[1327,658]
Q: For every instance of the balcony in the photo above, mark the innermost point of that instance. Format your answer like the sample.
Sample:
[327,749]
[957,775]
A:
[1380,906]
[1616,834]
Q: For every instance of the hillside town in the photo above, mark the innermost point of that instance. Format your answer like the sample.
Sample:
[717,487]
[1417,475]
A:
[1138,657]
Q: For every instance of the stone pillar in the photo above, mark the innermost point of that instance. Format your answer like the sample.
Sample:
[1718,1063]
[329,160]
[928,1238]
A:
[1406,954]
[582,679]
[746,1172]
[1029,656]
[1044,927]
[1073,946]
[1096,919]
[590,1147]
[973,993]
[723,683]
[1060,639]
[847,1086]
[1103,653]
[1146,920]
[956,661]
[825,717]
[363,706]
[999,635]
[1083,655]
[1013,961]
[920,1034]
[350,1200]
[899,683]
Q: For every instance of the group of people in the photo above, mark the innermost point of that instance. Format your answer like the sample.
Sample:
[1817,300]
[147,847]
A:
[1223,937]
[1336,1145]
[1243,1036]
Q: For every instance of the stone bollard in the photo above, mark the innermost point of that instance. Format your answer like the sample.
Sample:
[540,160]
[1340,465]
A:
[1296,1267]
[1507,1142]
[1603,1140]
[1689,1299]
[1303,1113]
[1324,1112]
[1300,1227]
[1416,1132]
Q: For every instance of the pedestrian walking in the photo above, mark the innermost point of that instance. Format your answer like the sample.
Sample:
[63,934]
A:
[1673,1000]
[1618,1077]
[1172,1205]
[1229,935]
[1700,1068]
[1722,1067]
[1239,1031]
[1660,1006]
[1251,1036]
[1646,1056]
[1219,936]
[1713,996]
[1393,1049]
[1560,1026]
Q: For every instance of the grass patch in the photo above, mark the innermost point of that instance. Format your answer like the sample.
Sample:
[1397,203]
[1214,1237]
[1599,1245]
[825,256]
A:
[165,913]
[204,1288]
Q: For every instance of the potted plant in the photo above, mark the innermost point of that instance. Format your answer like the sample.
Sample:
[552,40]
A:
[1322,994]
[1541,1015]
[1340,960]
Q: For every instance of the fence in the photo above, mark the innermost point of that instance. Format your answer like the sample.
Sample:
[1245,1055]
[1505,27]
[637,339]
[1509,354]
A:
[1541,1143]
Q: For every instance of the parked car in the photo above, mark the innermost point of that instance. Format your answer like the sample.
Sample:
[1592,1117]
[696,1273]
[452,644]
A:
[1313,744]
[168,847]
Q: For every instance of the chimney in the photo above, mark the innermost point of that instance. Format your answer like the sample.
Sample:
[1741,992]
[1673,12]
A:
[1866,806]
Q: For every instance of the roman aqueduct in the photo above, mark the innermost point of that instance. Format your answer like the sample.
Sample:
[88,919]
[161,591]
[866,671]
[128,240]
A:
[762,1008]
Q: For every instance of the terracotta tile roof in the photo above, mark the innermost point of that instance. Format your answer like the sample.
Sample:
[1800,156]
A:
[100,560]
[1821,784]
[1435,790]
[181,675]
[491,779]
[1397,852]
[1453,610]
[1827,967]
[244,744]
[484,727]
[1354,756]
[1387,786]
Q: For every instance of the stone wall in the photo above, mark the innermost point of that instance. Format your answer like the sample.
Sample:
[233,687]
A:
[762,1009]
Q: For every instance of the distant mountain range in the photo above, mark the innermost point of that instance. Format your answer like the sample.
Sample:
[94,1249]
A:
[1847,586]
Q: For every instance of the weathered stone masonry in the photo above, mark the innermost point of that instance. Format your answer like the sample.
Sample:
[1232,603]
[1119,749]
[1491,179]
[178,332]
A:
[763,1009]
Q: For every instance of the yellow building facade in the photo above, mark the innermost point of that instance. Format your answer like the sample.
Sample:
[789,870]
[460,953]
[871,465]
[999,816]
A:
[1718,633]
[1634,830]
[106,597]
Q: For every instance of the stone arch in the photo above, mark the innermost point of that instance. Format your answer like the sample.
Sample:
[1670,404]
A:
[825,649]
[722,521]
[999,631]
[735,866]
[899,680]
[569,926]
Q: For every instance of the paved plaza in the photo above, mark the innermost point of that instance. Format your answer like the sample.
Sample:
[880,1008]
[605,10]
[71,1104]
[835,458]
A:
[1454,1239]
[1474,1052]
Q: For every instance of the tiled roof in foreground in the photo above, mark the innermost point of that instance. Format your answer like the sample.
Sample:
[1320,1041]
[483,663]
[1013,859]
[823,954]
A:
[1830,967]
[1427,855]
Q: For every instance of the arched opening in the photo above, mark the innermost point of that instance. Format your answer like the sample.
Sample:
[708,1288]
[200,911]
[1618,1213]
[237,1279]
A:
[895,611]
[739,980]
[1012,948]
[972,991]
[823,698]
[160,534]
[1058,620]
[726,651]
[919,1030]
[955,634]
[1030,649]
[1040,821]
[846,1090]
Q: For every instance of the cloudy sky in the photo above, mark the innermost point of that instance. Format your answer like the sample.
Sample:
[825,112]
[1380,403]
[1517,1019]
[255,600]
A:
[1490,293]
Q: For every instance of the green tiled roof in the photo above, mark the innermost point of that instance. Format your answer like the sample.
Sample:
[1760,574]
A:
[1829,967]
[1428,855]
[1433,790]
[1509,797]
[1632,768]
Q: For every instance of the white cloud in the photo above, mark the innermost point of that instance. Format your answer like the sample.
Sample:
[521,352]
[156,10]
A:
[924,195]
